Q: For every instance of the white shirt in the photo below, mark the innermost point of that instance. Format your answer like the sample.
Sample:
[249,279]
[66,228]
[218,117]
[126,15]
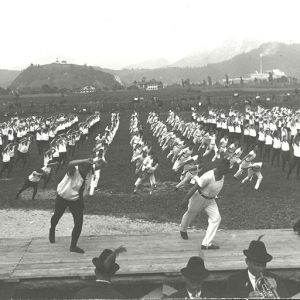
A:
[252,132]
[261,136]
[276,143]
[6,157]
[34,177]
[269,140]
[197,296]
[252,280]
[69,187]
[285,146]
[208,184]
[296,150]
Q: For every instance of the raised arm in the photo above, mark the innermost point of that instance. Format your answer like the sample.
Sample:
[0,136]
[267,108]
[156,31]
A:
[73,163]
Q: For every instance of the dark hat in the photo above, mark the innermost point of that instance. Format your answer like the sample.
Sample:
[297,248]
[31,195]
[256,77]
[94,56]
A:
[257,251]
[99,262]
[195,269]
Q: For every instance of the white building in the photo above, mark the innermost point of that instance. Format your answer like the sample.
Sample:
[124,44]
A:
[87,89]
[150,85]
[265,76]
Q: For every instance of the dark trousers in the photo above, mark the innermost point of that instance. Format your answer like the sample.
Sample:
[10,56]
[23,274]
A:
[286,157]
[276,154]
[22,156]
[71,150]
[46,179]
[63,156]
[251,141]
[76,209]
[27,184]
[5,165]
[237,136]
[261,147]
[268,149]
[295,162]
[245,139]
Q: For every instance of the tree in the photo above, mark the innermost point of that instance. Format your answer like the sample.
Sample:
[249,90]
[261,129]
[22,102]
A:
[270,77]
[209,80]
[241,80]
[204,82]
[227,79]
[283,79]
[46,88]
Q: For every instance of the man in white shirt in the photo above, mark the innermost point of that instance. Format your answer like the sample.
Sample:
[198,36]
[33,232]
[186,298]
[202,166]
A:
[285,152]
[31,181]
[202,196]
[70,193]
[276,148]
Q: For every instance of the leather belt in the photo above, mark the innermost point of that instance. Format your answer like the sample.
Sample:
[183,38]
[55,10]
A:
[206,196]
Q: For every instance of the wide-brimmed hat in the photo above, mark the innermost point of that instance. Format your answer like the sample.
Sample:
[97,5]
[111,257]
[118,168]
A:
[195,269]
[99,262]
[257,251]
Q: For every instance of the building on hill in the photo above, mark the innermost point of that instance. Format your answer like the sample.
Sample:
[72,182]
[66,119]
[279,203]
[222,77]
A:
[86,89]
[150,85]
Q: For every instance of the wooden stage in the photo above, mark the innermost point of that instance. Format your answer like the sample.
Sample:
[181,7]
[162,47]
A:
[34,262]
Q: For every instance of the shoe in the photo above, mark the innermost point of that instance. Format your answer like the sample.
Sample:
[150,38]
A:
[184,235]
[77,250]
[134,193]
[211,247]
[296,230]
[176,189]
[52,236]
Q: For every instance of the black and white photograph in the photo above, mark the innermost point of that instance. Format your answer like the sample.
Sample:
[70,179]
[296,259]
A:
[149,150]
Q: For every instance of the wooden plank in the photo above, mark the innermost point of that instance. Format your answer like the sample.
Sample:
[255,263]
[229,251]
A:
[146,254]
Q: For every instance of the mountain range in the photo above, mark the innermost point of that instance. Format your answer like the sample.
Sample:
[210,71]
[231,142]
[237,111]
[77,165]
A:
[274,56]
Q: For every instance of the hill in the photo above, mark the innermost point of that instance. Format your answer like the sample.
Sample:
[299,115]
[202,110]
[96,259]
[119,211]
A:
[68,76]
[275,56]
[7,77]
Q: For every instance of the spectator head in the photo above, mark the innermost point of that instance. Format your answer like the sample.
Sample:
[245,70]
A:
[106,265]
[194,274]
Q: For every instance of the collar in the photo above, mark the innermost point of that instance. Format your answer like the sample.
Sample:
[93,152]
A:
[99,280]
[196,296]
[251,276]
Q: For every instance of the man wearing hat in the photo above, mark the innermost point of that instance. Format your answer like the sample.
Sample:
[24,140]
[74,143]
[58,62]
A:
[106,267]
[242,284]
[194,275]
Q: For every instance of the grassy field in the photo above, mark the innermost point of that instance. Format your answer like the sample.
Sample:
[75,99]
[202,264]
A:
[275,205]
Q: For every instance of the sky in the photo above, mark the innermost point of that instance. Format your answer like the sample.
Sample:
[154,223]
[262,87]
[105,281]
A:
[115,34]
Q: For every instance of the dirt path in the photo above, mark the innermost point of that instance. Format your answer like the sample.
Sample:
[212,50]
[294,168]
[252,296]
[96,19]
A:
[35,223]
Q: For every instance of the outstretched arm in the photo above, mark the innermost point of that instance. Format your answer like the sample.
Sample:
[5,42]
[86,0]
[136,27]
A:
[73,163]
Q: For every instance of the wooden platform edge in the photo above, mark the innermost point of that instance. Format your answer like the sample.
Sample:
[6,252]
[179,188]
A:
[291,274]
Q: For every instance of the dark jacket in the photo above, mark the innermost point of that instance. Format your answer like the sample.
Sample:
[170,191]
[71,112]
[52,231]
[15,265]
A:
[100,290]
[239,285]
[184,294]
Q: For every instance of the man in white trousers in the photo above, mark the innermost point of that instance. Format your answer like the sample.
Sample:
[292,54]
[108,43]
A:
[202,196]
[99,163]
[254,169]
